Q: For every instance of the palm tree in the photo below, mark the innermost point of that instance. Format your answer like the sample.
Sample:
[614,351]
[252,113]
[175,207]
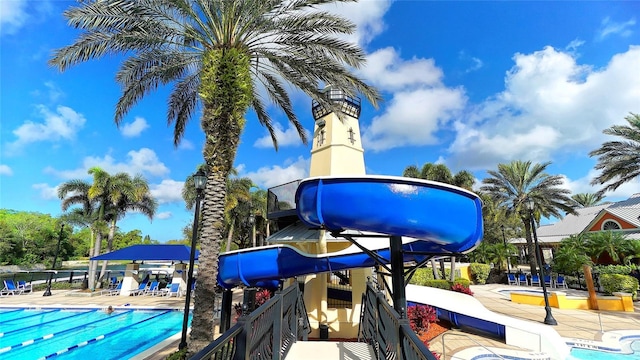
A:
[129,194]
[587,199]
[514,183]
[225,56]
[602,243]
[619,160]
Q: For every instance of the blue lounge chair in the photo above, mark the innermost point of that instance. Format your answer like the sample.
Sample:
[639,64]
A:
[26,288]
[11,288]
[114,291]
[152,289]
[547,281]
[560,282]
[522,279]
[511,278]
[535,279]
[140,290]
[174,289]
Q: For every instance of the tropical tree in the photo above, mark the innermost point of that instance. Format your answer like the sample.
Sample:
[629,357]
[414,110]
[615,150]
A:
[572,254]
[605,245]
[587,199]
[619,161]
[515,183]
[127,194]
[227,57]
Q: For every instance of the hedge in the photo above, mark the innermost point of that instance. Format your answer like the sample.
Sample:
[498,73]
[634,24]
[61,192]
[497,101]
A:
[619,283]
[480,272]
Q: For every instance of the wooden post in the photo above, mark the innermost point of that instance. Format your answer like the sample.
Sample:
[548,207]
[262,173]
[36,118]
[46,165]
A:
[593,301]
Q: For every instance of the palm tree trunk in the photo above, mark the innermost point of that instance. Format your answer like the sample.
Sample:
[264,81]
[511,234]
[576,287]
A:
[202,325]
[93,264]
[112,233]
[230,236]
[434,268]
[452,275]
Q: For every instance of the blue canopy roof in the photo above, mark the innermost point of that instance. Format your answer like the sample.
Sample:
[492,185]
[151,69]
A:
[149,252]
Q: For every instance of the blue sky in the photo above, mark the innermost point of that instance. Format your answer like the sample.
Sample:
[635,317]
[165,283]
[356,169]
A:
[470,84]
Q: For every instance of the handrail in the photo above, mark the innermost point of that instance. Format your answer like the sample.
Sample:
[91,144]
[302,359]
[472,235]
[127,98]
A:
[444,349]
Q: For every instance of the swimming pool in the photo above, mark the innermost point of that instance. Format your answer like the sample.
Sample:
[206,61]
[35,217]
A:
[593,354]
[81,333]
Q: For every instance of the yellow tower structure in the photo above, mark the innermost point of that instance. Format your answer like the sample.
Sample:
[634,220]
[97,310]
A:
[336,150]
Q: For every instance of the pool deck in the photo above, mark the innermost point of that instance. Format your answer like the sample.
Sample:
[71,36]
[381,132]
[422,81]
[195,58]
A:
[582,324]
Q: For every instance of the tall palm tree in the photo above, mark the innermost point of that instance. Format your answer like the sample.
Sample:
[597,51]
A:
[587,199]
[227,57]
[619,160]
[129,194]
[514,183]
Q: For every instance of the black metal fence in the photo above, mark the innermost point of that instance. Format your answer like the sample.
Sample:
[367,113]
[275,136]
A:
[390,336]
[266,333]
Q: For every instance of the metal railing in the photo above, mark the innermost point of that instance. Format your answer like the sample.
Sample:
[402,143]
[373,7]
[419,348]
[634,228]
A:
[444,349]
[390,336]
[266,333]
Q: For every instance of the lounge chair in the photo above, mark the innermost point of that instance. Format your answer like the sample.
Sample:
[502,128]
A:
[113,282]
[152,289]
[512,279]
[547,281]
[112,292]
[174,289]
[142,288]
[522,280]
[560,282]
[11,288]
[535,279]
[26,288]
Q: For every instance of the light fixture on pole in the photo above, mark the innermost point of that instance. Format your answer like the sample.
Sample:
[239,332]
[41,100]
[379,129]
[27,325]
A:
[47,292]
[549,320]
[199,182]
[506,250]
[252,223]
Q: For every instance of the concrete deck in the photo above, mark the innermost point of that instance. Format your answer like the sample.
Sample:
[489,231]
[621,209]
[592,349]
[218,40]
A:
[582,324]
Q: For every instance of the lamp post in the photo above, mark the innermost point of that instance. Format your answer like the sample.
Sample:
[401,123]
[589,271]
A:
[252,222]
[47,292]
[504,241]
[549,320]
[199,181]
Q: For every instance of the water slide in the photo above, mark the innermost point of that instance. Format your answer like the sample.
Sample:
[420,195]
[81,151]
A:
[430,217]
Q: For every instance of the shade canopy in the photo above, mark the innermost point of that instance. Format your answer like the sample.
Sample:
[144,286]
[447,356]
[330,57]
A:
[149,252]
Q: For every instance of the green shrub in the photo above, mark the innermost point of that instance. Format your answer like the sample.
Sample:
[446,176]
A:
[480,272]
[614,269]
[440,284]
[619,283]
[421,276]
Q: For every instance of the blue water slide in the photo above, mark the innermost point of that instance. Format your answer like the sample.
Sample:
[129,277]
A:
[431,218]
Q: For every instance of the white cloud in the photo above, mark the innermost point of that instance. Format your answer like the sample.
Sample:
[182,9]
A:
[366,14]
[289,137]
[13,15]
[168,191]
[550,104]
[45,191]
[266,177]
[163,215]
[582,185]
[609,27]
[412,118]
[135,128]
[64,124]
[386,70]
[144,161]
[186,145]
[420,105]
[5,170]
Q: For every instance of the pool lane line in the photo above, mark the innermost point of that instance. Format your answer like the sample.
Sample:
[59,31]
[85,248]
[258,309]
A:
[49,336]
[97,338]
[48,322]
[32,315]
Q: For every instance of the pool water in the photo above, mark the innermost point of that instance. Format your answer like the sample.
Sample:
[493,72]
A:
[83,333]
[587,354]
